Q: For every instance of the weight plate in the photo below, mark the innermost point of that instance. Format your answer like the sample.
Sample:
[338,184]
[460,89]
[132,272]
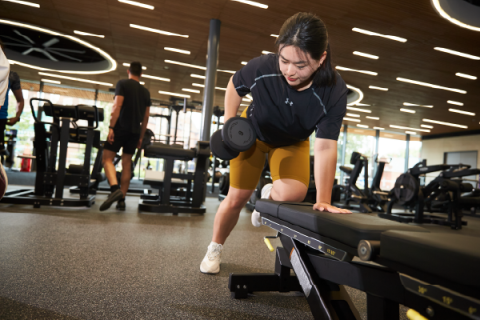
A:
[224,183]
[238,134]
[406,188]
[219,149]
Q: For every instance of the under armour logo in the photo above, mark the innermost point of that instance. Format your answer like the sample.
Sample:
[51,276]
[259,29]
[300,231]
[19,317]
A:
[289,102]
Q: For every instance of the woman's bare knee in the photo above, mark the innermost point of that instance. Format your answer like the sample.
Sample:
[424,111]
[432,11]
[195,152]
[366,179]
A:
[288,190]
[237,198]
[292,196]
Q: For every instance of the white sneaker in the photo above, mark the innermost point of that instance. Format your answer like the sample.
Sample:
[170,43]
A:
[256,221]
[211,262]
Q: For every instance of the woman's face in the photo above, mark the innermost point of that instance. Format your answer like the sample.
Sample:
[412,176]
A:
[297,66]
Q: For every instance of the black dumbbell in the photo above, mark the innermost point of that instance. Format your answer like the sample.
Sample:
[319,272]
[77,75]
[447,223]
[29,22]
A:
[237,135]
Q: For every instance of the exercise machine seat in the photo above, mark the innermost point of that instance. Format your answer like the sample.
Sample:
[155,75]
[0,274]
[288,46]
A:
[347,170]
[448,255]
[159,150]
[349,229]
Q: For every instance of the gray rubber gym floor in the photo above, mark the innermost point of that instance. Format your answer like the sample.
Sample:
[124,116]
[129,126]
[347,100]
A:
[63,263]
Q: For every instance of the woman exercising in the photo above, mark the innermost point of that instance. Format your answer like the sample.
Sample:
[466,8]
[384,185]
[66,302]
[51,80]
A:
[295,92]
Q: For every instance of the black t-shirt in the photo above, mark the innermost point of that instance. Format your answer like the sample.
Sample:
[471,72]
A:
[14,81]
[284,116]
[136,99]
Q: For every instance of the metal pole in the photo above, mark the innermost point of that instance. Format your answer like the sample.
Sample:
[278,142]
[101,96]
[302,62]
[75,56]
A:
[344,150]
[96,97]
[211,78]
[377,144]
[407,149]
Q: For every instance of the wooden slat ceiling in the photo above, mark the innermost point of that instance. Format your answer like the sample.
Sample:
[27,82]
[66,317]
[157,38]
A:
[245,32]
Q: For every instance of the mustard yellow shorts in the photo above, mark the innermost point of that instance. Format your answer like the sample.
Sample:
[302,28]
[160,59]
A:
[290,162]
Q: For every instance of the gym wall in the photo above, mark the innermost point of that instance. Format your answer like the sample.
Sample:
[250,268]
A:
[433,150]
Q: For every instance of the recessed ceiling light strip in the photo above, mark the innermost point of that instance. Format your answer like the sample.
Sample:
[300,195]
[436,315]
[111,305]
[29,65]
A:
[176,50]
[462,112]
[138,4]
[218,88]
[190,90]
[407,110]
[455,103]
[359,110]
[362,125]
[51,81]
[351,119]
[426,126]
[425,84]
[355,70]
[408,104]
[353,115]
[25,3]
[466,76]
[378,88]
[193,75]
[166,33]
[366,55]
[445,123]
[88,34]
[155,78]
[253,3]
[378,128]
[75,79]
[457,53]
[195,66]
[408,128]
[373,118]
[370,33]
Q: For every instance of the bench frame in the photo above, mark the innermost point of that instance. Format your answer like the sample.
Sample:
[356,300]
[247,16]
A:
[322,273]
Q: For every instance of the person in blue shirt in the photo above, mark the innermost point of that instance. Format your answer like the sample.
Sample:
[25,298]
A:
[15,86]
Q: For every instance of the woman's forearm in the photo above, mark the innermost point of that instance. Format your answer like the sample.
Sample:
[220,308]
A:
[325,165]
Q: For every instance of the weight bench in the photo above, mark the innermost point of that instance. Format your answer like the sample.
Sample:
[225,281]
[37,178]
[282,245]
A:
[167,201]
[431,270]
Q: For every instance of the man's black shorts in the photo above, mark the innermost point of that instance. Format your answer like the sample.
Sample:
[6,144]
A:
[124,139]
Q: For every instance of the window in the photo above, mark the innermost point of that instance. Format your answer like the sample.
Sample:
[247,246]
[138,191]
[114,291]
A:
[362,141]
[392,145]
[414,151]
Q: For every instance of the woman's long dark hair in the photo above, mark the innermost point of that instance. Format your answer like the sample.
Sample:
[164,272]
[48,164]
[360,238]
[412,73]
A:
[308,32]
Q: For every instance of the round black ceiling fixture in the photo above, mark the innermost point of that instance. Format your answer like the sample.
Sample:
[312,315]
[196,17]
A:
[44,49]
[474,2]
[465,14]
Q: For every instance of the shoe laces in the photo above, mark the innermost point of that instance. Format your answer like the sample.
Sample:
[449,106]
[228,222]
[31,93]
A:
[214,251]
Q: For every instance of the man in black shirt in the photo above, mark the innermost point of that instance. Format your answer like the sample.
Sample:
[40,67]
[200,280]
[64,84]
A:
[128,123]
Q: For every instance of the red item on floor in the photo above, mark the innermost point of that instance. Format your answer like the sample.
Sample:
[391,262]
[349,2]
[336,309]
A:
[25,165]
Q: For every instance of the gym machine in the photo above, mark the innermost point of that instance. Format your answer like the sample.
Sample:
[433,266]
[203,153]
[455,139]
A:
[409,193]
[50,180]
[352,192]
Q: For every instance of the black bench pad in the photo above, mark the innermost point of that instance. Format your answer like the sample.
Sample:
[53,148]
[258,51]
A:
[347,170]
[451,256]
[345,228]
[160,150]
